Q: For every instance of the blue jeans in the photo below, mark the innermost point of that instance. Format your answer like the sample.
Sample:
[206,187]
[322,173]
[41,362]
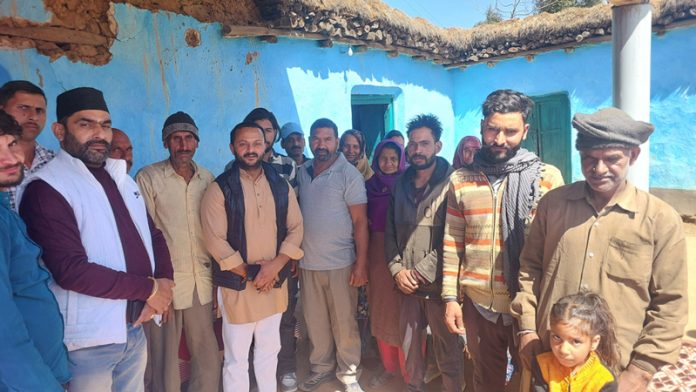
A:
[111,367]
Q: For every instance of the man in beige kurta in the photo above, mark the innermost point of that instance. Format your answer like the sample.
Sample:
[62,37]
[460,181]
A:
[255,311]
[173,189]
[605,235]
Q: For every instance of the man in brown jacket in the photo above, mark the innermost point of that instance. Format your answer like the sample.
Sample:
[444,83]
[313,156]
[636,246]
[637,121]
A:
[606,236]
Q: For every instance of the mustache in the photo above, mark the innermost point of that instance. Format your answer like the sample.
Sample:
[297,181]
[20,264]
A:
[18,165]
[250,155]
[102,142]
[318,150]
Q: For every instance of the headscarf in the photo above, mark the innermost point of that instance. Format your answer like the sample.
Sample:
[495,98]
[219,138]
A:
[363,164]
[380,186]
[466,142]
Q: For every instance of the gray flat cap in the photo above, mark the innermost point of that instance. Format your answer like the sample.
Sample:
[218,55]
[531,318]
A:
[609,127]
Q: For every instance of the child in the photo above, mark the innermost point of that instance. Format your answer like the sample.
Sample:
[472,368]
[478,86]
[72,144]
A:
[583,347]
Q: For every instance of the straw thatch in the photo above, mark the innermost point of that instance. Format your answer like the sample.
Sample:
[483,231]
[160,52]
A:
[85,30]
[374,24]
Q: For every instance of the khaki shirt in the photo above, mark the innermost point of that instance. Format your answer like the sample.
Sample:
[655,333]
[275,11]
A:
[632,253]
[174,206]
[249,305]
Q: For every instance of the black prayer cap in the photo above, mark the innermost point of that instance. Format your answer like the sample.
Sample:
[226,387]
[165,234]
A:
[81,98]
[610,127]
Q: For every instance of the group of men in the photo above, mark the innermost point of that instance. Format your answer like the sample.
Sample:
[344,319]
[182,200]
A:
[482,252]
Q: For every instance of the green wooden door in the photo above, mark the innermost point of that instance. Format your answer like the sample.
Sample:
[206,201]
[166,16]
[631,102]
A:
[549,131]
[373,115]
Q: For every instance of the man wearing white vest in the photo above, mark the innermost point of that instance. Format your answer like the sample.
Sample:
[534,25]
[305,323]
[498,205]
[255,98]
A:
[110,265]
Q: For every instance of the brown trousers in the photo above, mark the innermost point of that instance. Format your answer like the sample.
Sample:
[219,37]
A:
[197,321]
[488,345]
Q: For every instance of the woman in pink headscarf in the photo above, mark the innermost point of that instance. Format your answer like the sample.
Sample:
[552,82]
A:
[465,152]
[388,164]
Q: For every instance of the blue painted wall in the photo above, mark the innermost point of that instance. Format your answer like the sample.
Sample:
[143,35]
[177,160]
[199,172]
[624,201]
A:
[154,73]
[586,75]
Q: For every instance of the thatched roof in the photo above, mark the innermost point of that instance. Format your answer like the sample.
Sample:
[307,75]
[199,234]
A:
[85,30]
[376,25]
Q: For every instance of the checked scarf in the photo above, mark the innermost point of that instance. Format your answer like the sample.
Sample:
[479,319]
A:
[521,194]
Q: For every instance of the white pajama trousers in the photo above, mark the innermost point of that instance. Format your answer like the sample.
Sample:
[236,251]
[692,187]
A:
[237,339]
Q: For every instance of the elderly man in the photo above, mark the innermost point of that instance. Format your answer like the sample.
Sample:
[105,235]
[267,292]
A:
[173,189]
[26,102]
[334,206]
[121,148]
[110,263]
[33,356]
[605,235]
[252,226]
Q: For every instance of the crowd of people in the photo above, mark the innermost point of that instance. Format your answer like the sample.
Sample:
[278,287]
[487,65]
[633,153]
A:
[490,261]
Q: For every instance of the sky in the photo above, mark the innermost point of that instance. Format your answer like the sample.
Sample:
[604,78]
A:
[449,13]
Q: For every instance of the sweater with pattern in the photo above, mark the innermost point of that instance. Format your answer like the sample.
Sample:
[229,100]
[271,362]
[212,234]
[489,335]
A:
[473,242]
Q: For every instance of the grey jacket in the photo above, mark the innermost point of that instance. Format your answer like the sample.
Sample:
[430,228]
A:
[414,231]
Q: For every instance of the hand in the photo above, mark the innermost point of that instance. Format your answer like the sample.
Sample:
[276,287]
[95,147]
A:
[163,297]
[294,270]
[268,274]
[530,347]
[145,315]
[215,303]
[240,270]
[453,317]
[634,379]
[166,315]
[358,276]
[405,281]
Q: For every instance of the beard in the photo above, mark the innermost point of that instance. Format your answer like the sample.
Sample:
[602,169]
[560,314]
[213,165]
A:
[429,161]
[82,152]
[244,165]
[13,182]
[322,154]
[490,157]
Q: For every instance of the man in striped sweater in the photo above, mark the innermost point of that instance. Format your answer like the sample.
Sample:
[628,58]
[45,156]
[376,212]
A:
[489,205]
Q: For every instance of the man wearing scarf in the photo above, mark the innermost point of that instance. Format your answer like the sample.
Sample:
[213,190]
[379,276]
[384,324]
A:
[605,235]
[489,205]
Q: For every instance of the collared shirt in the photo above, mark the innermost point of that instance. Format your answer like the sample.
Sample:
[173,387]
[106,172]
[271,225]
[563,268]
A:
[632,253]
[33,356]
[42,156]
[249,305]
[325,199]
[174,205]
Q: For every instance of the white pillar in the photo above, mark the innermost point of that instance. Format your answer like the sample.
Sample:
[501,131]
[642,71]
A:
[631,30]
